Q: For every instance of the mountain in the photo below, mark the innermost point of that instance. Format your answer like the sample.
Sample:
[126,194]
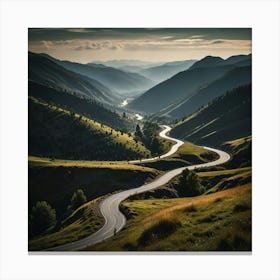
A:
[167,70]
[122,63]
[124,83]
[59,133]
[227,117]
[232,79]
[85,107]
[210,61]
[180,86]
[117,81]
[45,71]
[183,86]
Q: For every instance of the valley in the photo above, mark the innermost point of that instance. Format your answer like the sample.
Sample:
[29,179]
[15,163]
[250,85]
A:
[135,155]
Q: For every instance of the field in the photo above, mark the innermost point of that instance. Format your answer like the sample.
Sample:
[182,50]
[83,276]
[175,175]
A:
[187,154]
[215,222]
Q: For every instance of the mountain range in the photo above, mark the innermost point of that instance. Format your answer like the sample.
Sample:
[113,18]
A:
[117,81]
[186,91]
[46,71]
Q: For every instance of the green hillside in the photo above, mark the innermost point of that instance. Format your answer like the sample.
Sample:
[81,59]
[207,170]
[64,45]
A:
[227,117]
[56,180]
[82,106]
[58,133]
[216,222]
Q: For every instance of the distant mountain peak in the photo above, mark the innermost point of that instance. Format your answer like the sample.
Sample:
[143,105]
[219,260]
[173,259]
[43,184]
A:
[208,61]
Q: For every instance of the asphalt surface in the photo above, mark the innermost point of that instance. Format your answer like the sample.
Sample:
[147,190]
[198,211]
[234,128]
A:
[114,219]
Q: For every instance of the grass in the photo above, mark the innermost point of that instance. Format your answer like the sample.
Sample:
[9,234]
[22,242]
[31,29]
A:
[224,179]
[34,161]
[238,142]
[190,149]
[226,172]
[56,180]
[187,154]
[82,222]
[212,222]
[109,133]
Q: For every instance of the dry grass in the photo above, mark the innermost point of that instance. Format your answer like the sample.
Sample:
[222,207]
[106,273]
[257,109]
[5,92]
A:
[239,141]
[204,223]
[34,161]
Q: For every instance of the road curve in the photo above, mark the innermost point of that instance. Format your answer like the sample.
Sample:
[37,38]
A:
[173,149]
[114,219]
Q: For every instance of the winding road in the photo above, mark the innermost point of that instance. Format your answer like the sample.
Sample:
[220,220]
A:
[109,207]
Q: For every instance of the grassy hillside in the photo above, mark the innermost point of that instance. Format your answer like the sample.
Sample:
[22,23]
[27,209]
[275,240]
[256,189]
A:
[215,222]
[82,222]
[215,181]
[187,154]
[85,107]
[241,150]
[55,132]
[56,180]
[227,117]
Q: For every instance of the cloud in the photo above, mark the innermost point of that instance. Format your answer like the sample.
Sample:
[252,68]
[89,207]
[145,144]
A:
[97,45]
[217,42]
[166,37]
[80,30]
[47,44]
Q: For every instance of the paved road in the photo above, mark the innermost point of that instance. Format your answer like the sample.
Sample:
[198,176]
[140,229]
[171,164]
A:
[173,149]
[114,219]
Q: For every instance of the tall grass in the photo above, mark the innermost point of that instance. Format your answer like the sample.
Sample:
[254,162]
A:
[159,230]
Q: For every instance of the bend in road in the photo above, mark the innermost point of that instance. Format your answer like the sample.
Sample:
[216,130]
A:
[114,219]
[173,149]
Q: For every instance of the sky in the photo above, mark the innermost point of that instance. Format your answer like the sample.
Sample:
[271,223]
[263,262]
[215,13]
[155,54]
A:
[148,44]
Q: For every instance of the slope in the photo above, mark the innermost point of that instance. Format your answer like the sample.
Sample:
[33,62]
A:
[179,88]
[234,78]
[216,222]
[45,71]
[86,107]
[58,133]
[227,117]
[118,81]
[167,70]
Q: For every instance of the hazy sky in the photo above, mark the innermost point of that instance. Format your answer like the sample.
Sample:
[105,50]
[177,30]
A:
[149,44]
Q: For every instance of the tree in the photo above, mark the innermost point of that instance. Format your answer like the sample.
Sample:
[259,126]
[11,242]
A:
[78,199]
[43,216]
[138,132]
[190,184]
[156,146]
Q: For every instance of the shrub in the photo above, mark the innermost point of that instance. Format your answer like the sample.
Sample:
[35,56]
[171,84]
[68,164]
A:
[43,216]
[190,208]
[189,184]
[240,207]
[158,231]
[78,199]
